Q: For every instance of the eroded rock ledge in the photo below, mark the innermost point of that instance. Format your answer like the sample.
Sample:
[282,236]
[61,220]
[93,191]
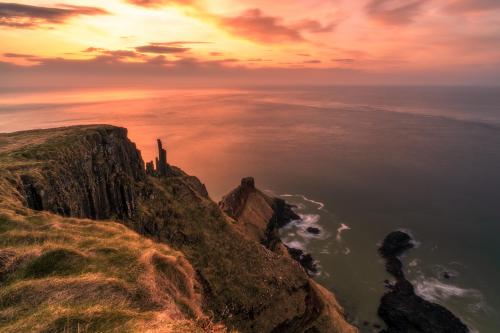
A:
[403,310]
[259,217]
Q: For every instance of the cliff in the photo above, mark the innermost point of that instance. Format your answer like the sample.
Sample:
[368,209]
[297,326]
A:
[258,217]
[94,172]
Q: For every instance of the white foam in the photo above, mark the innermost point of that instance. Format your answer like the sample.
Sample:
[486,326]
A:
[413,263]
[434,290]
[309,219]
[300,206]
[343,227]
[295,244]
[320,204]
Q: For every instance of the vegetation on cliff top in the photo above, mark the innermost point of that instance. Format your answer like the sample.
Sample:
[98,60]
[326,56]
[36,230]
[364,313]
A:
[74,275]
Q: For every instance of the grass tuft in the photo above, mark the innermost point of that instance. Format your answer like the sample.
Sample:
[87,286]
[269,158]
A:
[61,262]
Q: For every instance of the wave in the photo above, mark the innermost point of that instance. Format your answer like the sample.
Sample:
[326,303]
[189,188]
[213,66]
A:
[295,244]
[320,204]
[309,219]
[413,263]
[434,290]
[343,227]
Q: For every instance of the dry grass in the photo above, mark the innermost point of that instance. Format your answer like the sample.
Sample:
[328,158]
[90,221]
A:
[71,275]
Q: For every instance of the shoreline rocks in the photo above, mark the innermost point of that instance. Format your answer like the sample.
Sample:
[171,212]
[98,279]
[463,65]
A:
[304,259]
[401,309]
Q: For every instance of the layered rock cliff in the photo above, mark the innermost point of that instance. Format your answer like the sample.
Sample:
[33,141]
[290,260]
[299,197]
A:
[95,172]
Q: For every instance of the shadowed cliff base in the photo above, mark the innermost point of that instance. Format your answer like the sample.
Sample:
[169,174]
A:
[95,172]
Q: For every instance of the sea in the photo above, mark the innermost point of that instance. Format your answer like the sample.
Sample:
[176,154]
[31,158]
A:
[357,162]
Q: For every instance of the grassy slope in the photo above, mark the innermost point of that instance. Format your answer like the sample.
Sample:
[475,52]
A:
[69,275]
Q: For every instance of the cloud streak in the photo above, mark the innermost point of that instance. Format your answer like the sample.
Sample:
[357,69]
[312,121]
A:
[161,3]
[257,26]
[252,24]
[394,12]
[472,6]
[15,15]
[162,48]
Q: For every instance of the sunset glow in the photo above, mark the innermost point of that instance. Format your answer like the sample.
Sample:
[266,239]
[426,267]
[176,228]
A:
[390,37]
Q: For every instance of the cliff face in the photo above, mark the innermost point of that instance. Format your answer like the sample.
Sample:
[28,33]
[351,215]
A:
[96,172]
[82,173]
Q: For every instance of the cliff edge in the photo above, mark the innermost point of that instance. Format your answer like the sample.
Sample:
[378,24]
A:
[81,179]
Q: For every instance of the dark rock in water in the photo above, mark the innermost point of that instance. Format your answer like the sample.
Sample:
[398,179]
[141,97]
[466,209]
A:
[400,308]
[305,259]
[377,326]
[395,244]
[446,275]
[365,323]
[313,230]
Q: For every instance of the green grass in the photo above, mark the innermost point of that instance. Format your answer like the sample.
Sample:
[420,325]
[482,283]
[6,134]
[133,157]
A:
[70,275]
[58,262]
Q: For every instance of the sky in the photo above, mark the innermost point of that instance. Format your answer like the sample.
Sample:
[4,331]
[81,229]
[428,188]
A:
[249,41]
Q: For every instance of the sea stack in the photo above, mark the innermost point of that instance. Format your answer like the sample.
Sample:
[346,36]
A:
[161,163]
[161,169]
[402,309]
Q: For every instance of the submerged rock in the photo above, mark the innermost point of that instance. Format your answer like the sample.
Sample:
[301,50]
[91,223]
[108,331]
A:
[313,230]
[403,310]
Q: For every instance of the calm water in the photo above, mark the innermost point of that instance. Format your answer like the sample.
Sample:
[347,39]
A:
[358,162]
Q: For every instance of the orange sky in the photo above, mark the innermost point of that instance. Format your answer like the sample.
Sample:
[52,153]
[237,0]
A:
[368,38]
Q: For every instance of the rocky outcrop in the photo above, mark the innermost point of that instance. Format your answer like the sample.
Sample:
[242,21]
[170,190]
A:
[96,172]
[83,174]
[400,308]
[258,216]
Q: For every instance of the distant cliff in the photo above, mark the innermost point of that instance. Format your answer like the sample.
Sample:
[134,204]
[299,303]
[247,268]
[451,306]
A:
[95,172]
